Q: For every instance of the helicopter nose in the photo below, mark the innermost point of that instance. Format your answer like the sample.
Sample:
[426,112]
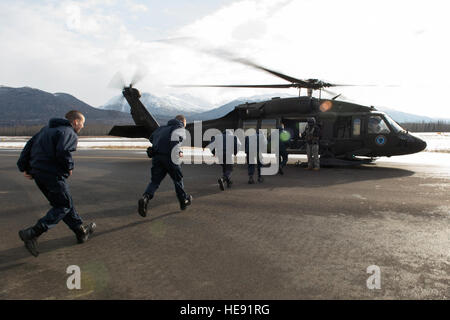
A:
[421,145]
[418,144]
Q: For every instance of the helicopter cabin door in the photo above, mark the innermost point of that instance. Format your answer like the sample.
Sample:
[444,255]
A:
[348,135]
[295,127]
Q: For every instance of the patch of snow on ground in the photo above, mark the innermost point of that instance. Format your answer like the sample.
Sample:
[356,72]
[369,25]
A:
[436,141]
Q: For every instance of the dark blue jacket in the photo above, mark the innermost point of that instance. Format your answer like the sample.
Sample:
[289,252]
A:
[283,143]
[256,138]
[50,149]
[218,146]
[161,137]
[225,136]
[255,155]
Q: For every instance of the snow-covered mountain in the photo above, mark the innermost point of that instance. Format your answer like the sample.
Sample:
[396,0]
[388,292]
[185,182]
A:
[168,105]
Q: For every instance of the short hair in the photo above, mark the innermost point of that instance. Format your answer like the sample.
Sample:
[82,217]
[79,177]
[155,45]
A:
[74,115]
[180,117]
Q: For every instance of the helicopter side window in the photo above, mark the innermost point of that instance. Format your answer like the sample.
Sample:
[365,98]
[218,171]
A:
[377,125]
[343,127]
[268,124]
[249,124]
[356,127]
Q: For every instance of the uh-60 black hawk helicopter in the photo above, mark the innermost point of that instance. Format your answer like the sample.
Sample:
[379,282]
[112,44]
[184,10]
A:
[350,133]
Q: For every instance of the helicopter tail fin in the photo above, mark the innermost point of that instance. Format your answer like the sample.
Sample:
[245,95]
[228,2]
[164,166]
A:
[145,122]
[129,132]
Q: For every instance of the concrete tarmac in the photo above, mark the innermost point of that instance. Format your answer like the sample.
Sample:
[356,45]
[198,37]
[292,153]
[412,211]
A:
[303,235]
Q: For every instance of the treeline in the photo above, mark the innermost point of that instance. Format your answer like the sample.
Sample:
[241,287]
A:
[88,130]
[440,126]
[103,129]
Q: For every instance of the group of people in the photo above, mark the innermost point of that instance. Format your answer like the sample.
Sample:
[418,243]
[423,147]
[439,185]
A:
[47,159]
[222,151]
[311,135]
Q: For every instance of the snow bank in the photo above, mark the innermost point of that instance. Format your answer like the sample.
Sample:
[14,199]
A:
[436,142]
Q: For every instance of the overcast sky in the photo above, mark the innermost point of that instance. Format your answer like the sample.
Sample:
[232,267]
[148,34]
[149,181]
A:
[77,47]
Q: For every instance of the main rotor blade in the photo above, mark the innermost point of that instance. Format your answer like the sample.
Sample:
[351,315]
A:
[275,73]
[194,44]
[335,95]
[197,45]
[140,74]
[292,85]
[361,85]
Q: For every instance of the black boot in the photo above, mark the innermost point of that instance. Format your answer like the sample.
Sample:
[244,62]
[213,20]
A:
[29,237]
[229,183]
[260,179]
[83,232]
[186,202]
[221,185]
[250,180]
[142,204]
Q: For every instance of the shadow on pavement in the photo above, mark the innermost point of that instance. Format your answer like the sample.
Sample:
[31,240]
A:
[14,254]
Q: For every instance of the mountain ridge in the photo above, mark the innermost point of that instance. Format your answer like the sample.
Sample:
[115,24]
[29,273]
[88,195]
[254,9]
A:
[27,106]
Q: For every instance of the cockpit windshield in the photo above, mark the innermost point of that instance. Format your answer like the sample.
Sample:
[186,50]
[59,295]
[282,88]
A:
[377,125]
[397,128]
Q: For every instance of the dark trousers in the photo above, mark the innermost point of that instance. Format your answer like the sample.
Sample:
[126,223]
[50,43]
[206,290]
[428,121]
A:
[226,170]
[252,166]
[57,192]
[251,169]
[162,165]
[283,158]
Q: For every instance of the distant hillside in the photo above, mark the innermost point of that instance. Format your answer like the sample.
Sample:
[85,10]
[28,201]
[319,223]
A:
[218,112]
[403,117]
[28,106]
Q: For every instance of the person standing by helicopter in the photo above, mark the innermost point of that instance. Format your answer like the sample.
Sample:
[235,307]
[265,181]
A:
[311,134]
[284,137]
[224,146]
[255,144]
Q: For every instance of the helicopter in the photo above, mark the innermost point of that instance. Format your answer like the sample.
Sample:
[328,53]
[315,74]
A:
[350,133]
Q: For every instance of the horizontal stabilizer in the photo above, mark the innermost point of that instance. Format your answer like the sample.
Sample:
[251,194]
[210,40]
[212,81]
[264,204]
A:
[130,132]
